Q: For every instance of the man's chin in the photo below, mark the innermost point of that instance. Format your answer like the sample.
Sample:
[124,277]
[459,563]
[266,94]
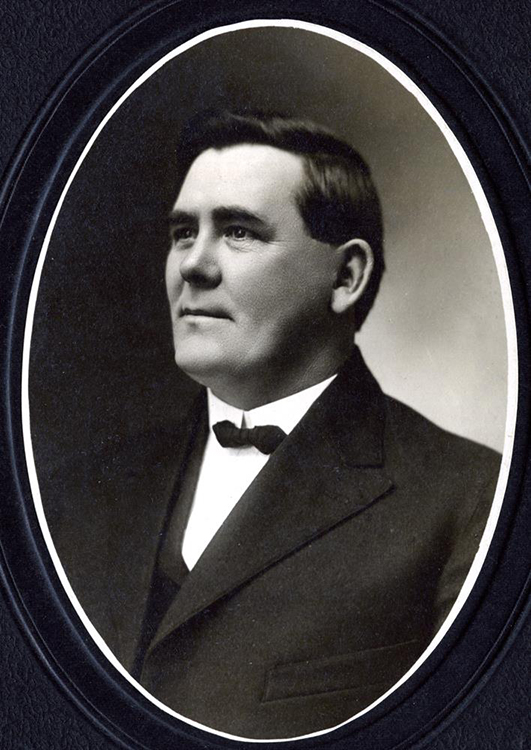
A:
[200,366]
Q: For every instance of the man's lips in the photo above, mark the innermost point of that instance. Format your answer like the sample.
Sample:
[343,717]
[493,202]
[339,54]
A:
[205,312]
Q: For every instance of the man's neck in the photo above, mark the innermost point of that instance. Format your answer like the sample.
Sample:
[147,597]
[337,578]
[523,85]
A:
[285,412]
[247,396]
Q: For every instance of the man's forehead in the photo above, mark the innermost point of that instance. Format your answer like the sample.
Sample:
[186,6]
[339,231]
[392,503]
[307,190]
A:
[242,173]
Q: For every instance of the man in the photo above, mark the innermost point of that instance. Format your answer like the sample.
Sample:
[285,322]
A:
[280,561]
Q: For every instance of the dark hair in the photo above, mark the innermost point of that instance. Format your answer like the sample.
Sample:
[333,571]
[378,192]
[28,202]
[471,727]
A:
[338,200]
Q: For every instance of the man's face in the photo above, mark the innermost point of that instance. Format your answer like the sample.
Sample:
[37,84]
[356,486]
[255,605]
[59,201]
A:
[249,289]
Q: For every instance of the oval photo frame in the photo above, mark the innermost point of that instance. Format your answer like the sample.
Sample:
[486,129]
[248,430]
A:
[468,597]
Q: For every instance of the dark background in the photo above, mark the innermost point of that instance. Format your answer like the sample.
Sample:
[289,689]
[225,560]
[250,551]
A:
[40,42]
[101,352]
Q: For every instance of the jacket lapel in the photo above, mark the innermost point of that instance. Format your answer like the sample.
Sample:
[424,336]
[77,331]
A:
[138,514]
[328,469]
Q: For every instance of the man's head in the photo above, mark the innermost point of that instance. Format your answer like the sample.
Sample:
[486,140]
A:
[277,239]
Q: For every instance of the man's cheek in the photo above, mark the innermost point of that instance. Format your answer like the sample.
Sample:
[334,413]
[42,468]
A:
[256,306]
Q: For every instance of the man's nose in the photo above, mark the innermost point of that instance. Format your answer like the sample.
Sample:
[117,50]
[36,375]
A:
[200,265]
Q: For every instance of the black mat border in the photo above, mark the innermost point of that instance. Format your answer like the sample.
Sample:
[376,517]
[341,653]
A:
[493,611]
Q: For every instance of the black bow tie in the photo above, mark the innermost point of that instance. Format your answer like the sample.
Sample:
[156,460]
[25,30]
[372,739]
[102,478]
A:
[266,438]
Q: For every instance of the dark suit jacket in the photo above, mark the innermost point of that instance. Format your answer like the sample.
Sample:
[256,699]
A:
[326,582]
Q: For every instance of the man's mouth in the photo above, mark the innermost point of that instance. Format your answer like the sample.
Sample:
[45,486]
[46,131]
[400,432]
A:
[211,312]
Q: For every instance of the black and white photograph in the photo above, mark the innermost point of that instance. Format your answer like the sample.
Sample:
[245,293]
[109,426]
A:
[270,373]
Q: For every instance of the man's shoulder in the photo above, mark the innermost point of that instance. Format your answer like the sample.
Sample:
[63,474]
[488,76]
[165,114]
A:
[118,455]
[413,436]
[360,411]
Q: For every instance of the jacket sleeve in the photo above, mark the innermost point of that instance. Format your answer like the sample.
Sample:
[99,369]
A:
[464,550]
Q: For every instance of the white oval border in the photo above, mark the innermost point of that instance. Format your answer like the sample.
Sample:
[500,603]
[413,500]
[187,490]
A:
[510,325]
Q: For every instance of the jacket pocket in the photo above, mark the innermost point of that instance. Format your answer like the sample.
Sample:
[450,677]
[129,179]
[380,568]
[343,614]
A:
[358,670]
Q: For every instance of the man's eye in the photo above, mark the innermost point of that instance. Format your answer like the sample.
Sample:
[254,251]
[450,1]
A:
[182,234]
[239,233]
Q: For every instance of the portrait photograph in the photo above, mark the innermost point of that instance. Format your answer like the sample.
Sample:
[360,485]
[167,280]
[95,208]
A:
[270,381]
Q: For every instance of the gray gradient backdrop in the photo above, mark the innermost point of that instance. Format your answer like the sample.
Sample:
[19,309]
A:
[101,361]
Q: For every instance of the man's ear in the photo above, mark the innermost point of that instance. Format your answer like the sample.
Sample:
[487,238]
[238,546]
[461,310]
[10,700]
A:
[355,265]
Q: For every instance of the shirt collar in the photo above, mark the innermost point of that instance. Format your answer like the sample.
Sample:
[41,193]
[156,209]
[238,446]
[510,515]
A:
[284,413]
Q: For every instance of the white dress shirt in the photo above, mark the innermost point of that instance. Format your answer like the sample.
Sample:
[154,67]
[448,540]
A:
[226,473]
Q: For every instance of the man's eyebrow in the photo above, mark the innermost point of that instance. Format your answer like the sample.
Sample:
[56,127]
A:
[177,216]
[238,213]
[222,215]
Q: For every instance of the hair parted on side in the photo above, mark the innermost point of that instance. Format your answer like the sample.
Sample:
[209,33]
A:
[338,200]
